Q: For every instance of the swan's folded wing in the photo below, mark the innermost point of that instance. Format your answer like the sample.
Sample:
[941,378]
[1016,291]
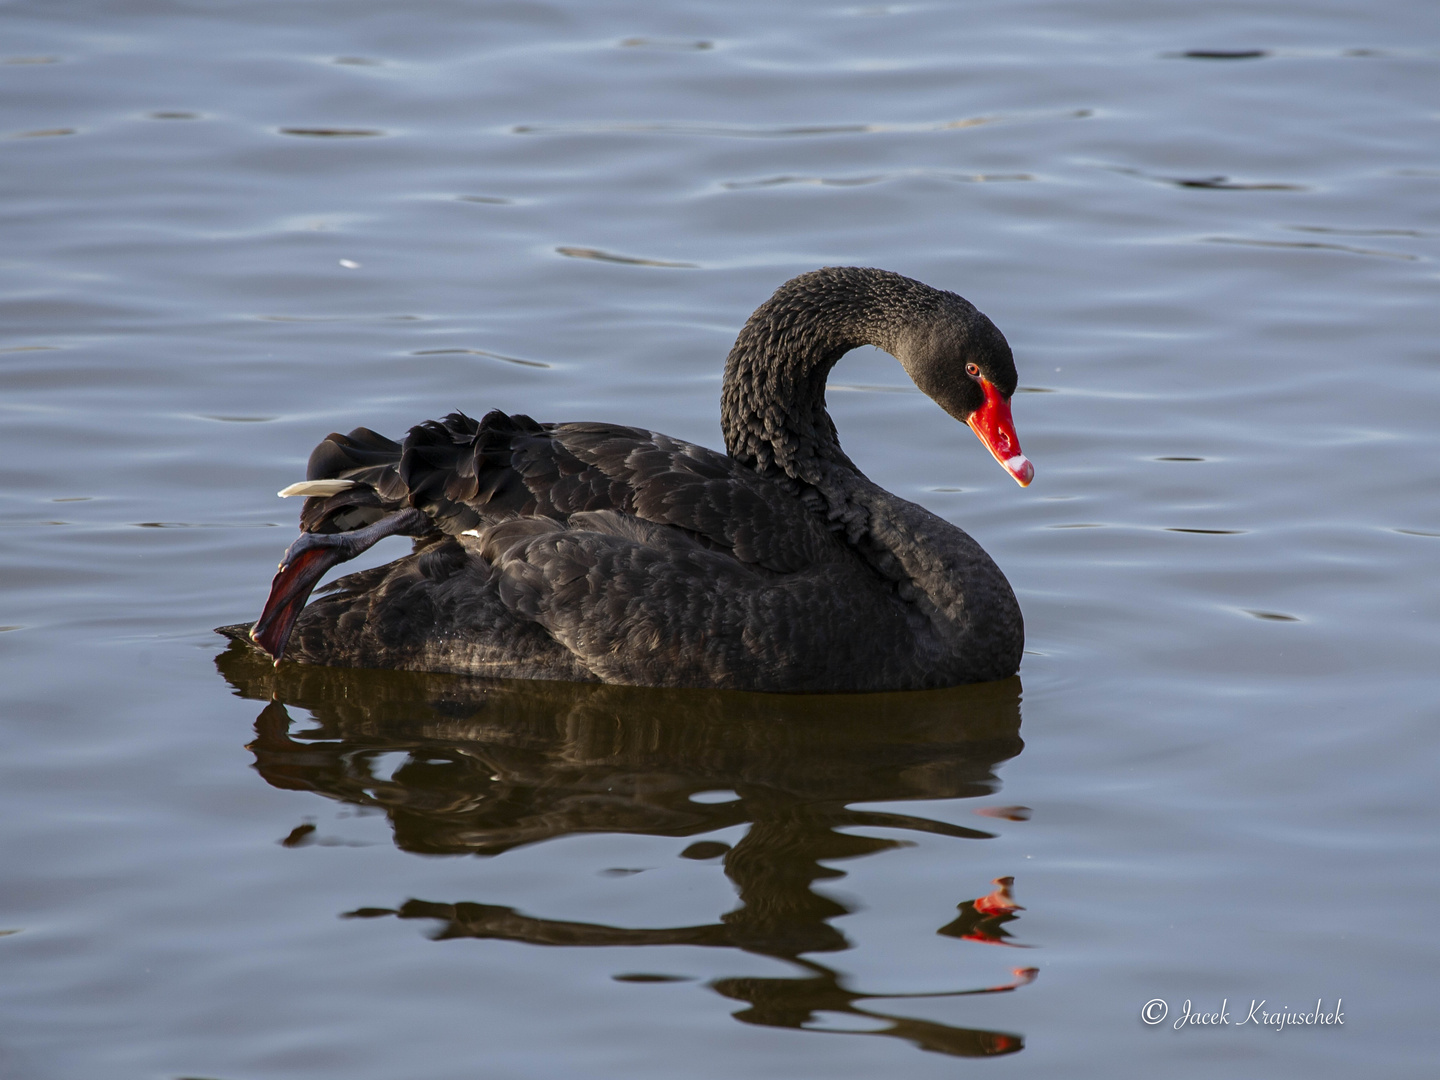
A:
[465,473]
[650,605]
[667,481]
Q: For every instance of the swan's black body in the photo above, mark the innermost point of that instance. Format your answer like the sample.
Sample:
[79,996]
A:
[594,552]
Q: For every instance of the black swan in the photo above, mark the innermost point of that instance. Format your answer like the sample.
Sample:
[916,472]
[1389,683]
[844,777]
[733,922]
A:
[599,553]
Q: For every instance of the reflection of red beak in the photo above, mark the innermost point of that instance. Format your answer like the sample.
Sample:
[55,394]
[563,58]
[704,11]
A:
[1000,901]
[997,431]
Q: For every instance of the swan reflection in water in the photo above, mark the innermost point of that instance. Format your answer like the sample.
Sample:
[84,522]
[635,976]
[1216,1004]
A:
[493,765]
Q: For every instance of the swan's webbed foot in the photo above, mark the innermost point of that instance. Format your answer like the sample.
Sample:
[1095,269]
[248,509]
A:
[306,562]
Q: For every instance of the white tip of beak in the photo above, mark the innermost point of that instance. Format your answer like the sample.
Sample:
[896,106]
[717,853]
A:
[1020,468]
[320,488]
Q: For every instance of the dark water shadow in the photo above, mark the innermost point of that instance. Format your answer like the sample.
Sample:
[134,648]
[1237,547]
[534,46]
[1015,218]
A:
[491,765]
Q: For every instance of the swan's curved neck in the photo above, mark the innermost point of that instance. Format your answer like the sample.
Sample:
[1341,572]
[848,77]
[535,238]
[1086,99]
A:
[774,419]
[772,405]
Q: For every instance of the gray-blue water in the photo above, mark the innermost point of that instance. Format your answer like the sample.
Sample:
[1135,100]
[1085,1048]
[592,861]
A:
[1210,234]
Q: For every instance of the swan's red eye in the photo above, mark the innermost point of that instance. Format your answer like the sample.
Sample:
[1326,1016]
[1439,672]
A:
[973,370]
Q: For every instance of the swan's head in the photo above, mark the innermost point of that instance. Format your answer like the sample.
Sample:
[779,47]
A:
[961,360]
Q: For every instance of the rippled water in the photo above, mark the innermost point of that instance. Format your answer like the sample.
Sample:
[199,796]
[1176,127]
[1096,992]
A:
[1210,233]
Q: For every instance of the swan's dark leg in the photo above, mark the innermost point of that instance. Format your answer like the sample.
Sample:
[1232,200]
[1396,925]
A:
[306,562]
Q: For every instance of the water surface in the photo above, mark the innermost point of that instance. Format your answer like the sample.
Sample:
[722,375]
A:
[1210,235]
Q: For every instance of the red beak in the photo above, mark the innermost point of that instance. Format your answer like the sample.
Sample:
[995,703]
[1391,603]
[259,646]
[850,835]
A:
[997,431]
